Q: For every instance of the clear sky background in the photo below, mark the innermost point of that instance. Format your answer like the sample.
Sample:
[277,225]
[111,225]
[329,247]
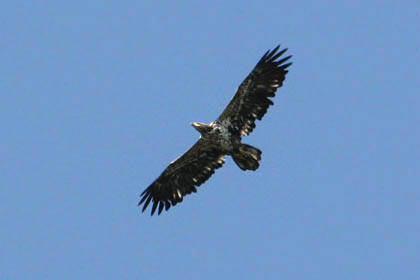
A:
[97,98]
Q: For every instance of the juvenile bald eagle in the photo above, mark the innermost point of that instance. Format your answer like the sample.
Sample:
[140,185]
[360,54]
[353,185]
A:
[221,137]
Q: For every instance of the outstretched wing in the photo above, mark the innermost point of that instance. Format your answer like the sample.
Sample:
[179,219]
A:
[251,100]
[183,175]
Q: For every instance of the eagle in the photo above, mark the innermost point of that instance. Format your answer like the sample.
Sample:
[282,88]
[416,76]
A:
[221,137]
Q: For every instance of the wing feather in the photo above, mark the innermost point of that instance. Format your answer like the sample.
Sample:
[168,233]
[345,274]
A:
[251,100]
[182,176]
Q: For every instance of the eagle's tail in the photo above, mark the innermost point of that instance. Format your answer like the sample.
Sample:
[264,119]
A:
[247,157]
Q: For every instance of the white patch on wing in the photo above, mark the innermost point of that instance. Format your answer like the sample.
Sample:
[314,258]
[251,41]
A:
[175,160]
[254,157]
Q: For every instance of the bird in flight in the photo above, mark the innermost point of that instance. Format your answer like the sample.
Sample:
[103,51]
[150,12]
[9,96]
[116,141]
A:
[221,137]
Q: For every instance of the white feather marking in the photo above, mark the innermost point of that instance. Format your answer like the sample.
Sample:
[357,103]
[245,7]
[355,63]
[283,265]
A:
[179,193]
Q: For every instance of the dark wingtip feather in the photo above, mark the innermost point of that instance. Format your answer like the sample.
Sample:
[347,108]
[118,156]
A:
[281,61]
[286,65]
[167,205]
[143,197]
[267,55]
[149,198]
[274,51]
[155,204]
[161,205]
[276,55]
[271,55]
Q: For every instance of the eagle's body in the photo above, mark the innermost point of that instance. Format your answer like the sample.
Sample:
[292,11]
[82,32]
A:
[221,137]
[220,133]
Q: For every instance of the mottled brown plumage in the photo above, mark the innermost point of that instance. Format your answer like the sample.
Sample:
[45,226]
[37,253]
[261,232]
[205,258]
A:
[221,137]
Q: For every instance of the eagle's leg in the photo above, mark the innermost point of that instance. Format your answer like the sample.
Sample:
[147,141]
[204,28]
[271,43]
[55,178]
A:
[246,157]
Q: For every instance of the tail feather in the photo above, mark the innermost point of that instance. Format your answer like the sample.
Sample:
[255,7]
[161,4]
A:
[247,157]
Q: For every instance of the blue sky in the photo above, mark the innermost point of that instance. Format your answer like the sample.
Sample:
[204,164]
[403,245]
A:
[97,98]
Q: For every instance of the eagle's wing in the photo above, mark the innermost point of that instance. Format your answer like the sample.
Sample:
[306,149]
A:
[251,100]
[181,177]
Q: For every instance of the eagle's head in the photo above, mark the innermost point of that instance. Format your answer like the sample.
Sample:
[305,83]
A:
[202,127]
